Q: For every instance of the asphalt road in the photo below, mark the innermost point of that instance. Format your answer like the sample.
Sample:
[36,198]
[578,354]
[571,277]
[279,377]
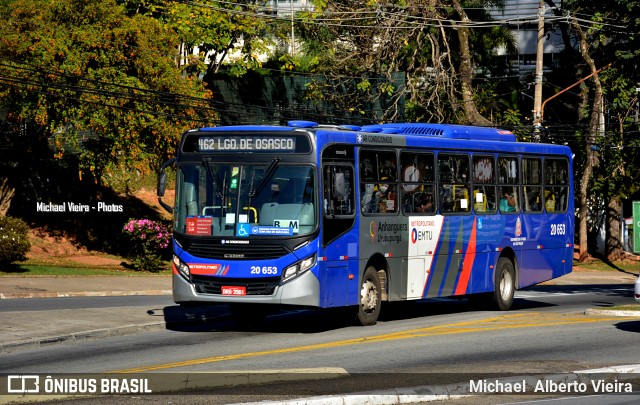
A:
[425,343]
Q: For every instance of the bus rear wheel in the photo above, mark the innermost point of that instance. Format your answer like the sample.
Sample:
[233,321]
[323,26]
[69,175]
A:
[505,285]
[370,300]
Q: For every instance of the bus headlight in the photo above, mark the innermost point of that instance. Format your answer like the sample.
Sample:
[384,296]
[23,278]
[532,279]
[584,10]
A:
[298,268]
[182,267]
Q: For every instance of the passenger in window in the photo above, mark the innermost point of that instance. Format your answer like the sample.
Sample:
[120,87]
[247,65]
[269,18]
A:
[368,202]
[386,198]
[424,204]
[507,202]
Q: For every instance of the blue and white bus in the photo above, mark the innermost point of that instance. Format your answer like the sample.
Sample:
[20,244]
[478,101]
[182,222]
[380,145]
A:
[334,216]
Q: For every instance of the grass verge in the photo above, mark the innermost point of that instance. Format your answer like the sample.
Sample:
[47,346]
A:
[69,268]
[627,266]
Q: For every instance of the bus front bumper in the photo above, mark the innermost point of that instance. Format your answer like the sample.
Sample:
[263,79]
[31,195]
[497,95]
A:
[304,290]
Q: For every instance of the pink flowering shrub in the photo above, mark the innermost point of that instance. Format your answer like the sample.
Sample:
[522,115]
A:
[146,242]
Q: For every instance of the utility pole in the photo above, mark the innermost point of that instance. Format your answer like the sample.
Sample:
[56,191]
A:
[293,37]
[537,99]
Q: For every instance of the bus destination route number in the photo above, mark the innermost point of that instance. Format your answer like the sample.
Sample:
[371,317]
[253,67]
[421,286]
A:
[246,144]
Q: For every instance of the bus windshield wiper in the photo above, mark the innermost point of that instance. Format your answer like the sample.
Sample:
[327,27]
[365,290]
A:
[267,176]
[214,178]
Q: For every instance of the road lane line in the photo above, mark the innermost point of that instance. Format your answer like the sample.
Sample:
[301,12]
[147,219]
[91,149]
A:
[510,321]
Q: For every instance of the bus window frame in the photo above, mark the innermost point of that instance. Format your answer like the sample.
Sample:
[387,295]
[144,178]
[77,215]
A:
[529,206]
[393,184]
[440,184]
[419,189]
[487,210]
[516,184]
[555,186]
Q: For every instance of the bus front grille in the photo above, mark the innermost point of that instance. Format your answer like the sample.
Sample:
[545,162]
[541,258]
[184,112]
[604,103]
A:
[254,286]
[237,252]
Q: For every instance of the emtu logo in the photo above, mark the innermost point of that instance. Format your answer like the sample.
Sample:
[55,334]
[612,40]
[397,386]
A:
[419,235]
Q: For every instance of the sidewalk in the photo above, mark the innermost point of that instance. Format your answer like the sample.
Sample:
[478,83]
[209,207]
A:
[28,329]
[24,329]
[86,286]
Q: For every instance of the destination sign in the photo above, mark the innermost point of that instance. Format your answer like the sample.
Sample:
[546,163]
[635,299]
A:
[246,143]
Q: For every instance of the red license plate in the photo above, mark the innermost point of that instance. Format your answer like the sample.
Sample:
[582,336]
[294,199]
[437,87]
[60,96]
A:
[232,290]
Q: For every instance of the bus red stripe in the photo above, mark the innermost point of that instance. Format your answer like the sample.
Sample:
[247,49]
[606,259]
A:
[467,263]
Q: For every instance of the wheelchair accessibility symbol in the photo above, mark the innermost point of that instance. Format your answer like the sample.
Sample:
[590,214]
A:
[243,229]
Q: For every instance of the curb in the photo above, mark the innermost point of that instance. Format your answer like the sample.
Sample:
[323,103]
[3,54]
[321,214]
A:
[612,312]
[84,336]
[432,393]
[83,294]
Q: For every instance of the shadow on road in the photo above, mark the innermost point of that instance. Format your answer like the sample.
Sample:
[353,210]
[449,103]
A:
[629,326]
[221,318]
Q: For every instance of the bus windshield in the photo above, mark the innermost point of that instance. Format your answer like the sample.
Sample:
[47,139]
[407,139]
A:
[245,200]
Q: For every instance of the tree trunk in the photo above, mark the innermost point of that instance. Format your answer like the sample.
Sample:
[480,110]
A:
[584,188]
[614,243]
[592,158]
[466,72]
[7,192]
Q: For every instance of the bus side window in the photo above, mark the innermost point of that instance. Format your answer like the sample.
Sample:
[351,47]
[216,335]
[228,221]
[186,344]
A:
[479,201]
[508,178]
[453,175]
[532,184]
[556,184]
[532,199]
[509,199]
[338,190]
[550,201]
[484,180]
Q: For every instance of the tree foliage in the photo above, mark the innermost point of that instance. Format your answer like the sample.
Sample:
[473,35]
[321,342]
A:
[86,68]
[212,33]
[610,36]
[431,41]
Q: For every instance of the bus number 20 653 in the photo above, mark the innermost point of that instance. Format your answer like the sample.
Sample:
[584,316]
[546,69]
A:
[264,270]
[558,229]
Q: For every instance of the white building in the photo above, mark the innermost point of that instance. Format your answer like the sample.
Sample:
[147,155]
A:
[286,7]
[521,17]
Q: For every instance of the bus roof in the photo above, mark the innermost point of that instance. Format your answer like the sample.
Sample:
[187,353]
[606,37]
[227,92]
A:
[415,134]
[433,130]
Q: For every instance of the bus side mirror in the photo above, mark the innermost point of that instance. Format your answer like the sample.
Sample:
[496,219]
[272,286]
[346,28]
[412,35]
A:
[162,185]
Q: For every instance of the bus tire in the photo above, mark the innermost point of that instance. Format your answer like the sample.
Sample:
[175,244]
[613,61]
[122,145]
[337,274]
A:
[505,284]
[370,299]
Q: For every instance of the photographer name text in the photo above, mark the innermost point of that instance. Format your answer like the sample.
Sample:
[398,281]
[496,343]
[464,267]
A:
[76,207]
[549,387]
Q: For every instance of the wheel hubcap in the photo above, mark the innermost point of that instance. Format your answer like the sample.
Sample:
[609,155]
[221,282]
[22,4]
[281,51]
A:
[505,285]
[368,296]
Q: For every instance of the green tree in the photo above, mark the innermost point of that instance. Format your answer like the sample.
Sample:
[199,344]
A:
[84,67]
[434,43]
[212,33]
[609,34]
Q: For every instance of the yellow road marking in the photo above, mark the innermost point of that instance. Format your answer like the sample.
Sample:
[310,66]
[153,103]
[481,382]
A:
[510,321]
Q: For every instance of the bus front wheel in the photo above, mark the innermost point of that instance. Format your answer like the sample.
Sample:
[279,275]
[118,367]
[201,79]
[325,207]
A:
[370,298]
[505,285]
